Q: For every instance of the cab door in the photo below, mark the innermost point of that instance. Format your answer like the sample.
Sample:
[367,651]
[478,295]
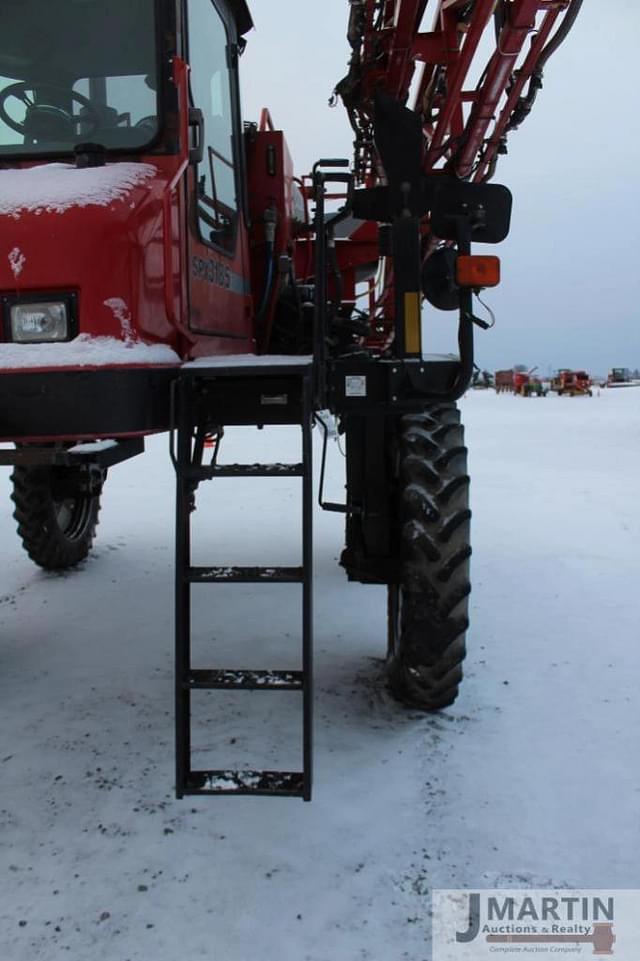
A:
[219,289]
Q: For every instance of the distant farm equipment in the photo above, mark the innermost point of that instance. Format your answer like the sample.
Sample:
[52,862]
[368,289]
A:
[622,377]
[572,382]
[519,380]
[503,381]
[482,379]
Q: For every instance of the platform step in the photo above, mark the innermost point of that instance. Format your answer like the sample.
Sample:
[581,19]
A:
[208,680]
[245,575]
[245,470]
[279,783]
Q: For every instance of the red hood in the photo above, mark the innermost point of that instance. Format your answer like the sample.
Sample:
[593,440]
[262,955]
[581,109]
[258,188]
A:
[96,231]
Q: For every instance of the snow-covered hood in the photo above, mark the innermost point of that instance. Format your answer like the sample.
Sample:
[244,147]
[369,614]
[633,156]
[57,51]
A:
[97,232]
[58,187]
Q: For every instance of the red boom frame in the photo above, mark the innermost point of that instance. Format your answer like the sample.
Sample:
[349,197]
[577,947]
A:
[391,43]
[464,122]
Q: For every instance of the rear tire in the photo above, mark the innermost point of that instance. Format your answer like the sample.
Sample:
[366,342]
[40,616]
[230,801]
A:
[428,608]
[56,518]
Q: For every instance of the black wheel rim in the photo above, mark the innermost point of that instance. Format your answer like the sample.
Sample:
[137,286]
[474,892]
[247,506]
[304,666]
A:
[72,516]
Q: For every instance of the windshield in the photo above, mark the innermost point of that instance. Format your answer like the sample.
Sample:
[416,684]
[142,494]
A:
[77,71]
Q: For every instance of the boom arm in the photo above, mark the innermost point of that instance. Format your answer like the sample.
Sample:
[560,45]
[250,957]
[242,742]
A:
[464,123]
[423,169]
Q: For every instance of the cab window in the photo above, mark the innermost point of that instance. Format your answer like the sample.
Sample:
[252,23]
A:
[211,92]
[78,71]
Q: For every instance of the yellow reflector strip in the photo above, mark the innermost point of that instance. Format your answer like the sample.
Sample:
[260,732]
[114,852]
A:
[412,338]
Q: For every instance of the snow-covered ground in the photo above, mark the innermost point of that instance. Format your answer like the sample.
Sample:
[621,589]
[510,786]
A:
[531,779]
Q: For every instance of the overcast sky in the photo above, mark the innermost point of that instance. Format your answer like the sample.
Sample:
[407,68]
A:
[571,283]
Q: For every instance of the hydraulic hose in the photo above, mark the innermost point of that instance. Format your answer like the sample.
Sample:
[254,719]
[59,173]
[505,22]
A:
[560,35]
[523,107]
[270,221]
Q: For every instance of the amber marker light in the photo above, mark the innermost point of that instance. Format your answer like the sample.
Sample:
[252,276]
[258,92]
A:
[477,271]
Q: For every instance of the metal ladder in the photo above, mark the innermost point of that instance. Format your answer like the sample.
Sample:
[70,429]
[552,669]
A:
[206,398]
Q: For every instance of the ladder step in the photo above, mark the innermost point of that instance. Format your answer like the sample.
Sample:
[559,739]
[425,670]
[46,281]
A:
[245,575]
[281,783]
[245,470]
[244,680]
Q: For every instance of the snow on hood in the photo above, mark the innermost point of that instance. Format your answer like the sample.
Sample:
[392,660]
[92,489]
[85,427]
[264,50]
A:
[55,188]
[85,351]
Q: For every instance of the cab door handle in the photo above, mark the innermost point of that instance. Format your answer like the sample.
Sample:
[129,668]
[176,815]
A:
[196,119]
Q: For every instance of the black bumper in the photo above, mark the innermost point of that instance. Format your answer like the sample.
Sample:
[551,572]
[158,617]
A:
[84,404]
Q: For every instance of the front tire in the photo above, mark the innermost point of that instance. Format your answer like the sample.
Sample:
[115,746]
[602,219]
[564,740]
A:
[57,513]
[428,607]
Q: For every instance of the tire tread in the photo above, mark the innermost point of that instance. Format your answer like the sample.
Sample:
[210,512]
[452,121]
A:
[46,544]
[425,664]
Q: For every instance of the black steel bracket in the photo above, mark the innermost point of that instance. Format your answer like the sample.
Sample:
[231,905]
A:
[360,384]
[102,454]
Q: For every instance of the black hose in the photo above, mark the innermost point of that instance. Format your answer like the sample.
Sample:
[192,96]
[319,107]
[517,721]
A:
[270,223]
[560,35]
[266,294]
[523,107]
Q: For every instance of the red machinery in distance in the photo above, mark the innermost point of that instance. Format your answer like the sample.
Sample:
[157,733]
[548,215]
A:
[519,380]
[574,383]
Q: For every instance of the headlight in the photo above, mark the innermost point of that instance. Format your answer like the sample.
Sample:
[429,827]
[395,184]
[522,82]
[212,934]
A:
[35,323]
